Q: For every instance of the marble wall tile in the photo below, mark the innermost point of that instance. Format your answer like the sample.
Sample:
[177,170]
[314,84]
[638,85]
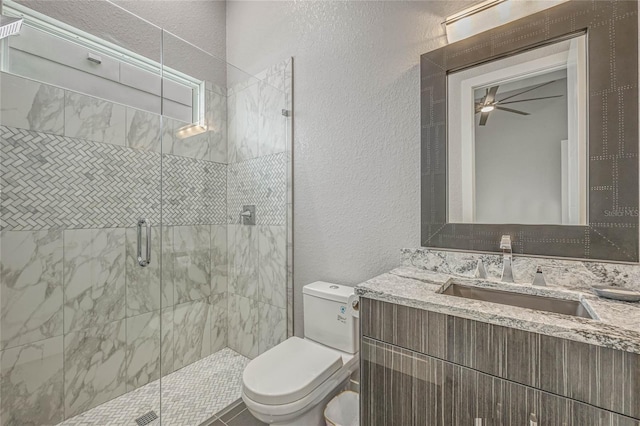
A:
[275,74]
[219,259]
[288,82]
[217,88]
[272,124]
[243,325]
[94,119]
[31,105]
[143,349]
[273,326]
[243,260]
[143,283]
[289,161]
[95,369]
[31,384]
[218,320]
[30,286]
[243,140]
[272,243]
[168,276]
[167,342]
[192,262]
[290,286]
[216,120]
[193,147]
[232,134]
[288,92]
[143,130]
[191,332]
[94,277]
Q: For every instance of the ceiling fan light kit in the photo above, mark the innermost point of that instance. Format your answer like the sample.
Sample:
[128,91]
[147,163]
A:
[489,103]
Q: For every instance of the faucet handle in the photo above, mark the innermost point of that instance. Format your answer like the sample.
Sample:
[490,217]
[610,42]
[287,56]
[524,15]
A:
[538,278]
[481,272]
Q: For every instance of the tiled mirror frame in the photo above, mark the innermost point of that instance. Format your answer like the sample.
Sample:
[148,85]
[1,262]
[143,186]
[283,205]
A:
[612,230]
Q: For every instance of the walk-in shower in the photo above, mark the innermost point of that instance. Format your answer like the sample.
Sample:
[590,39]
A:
[131,287]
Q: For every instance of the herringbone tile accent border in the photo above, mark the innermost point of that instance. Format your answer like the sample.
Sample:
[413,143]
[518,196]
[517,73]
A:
[51,181]
[261,181]
[194,191]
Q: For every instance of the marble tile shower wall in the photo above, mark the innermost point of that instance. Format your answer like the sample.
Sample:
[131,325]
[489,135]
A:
[80,320]
[259,173]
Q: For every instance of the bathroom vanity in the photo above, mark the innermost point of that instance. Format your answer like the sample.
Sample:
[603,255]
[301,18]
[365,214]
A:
[508,188]
[430,358]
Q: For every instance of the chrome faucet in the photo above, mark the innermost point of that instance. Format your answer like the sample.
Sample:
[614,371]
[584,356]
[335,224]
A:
[507,256]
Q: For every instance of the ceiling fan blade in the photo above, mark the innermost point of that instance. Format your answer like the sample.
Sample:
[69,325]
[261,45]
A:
[528,90]
[512,110]
[483,118]
[526,100]
[491,95]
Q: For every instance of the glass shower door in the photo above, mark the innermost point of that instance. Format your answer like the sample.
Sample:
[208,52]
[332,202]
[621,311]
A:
[198,368]
[80,216]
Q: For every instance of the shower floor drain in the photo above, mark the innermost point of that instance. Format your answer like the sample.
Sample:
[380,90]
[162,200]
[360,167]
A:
[147,418]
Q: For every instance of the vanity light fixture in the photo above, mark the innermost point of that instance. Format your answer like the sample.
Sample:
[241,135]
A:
[189,130]
[490,14]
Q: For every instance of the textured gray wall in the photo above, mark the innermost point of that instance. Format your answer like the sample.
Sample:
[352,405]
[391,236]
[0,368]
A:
[356,125]
[201,22]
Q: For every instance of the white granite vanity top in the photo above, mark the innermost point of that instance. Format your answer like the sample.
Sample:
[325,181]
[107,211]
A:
[617,326]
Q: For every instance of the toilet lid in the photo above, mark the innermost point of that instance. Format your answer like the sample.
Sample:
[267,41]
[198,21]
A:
[289,371]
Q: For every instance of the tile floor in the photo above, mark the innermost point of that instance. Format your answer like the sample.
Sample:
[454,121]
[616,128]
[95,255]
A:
[190,396]
[236,415]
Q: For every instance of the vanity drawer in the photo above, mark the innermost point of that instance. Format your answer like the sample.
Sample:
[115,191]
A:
[602,377]
[403,387]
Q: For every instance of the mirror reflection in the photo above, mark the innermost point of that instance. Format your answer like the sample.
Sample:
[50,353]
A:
[517,145]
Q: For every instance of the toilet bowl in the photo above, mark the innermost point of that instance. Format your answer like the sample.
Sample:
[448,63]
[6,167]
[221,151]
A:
[292,383]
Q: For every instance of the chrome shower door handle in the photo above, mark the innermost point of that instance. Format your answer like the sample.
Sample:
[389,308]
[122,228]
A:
[144,261]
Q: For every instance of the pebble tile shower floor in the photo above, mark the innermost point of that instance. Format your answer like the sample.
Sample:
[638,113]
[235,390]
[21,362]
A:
[190,395]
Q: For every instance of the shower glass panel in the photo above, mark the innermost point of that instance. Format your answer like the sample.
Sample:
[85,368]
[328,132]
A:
[224,273]
[80,164]
[145,220]
[200,374]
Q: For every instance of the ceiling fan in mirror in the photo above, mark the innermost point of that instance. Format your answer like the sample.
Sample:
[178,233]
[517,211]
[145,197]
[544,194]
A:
[489,104]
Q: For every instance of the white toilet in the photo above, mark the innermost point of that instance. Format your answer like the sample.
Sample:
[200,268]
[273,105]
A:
[292,383]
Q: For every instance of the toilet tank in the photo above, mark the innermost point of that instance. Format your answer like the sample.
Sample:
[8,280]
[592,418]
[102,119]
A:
[327,318]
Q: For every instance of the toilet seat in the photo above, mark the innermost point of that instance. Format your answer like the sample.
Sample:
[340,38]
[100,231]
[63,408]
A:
[289,372]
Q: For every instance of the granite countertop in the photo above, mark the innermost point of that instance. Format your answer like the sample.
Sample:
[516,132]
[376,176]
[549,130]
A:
[617,325]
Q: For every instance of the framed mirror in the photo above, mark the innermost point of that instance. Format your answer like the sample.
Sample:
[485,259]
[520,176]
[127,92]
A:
[530,129]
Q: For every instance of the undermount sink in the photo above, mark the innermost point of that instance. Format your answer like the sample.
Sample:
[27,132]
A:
[529,301]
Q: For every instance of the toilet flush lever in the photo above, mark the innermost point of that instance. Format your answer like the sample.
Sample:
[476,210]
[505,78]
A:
[355,304]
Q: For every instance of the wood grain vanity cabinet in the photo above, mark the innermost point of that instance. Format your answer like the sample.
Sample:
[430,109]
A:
[426,368]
